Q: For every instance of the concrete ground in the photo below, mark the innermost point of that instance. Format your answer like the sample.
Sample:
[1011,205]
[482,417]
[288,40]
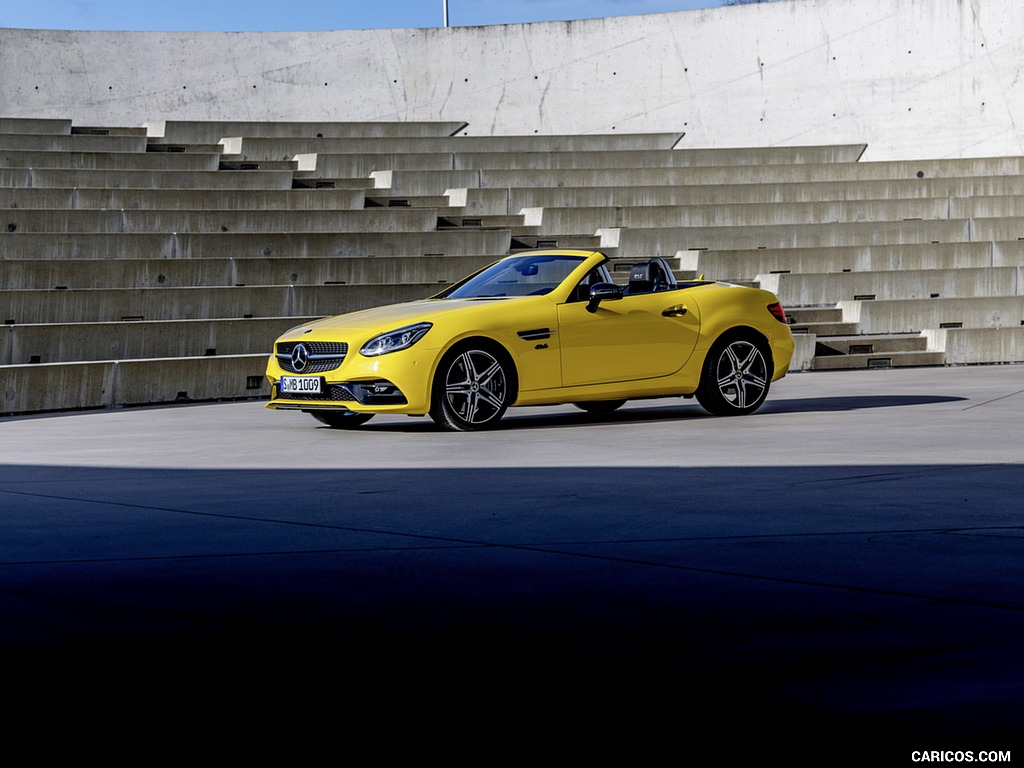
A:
[843,570]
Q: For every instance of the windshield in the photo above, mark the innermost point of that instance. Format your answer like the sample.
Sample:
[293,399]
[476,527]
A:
[519,276]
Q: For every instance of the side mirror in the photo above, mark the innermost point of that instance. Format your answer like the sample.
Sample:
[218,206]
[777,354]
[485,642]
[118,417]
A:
[603,292]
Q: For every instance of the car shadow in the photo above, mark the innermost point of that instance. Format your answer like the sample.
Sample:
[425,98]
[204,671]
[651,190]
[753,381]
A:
[636,412]
[853,403]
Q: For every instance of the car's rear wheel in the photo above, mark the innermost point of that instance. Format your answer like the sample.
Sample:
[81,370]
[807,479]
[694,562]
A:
[736,377]
[472,389]
[341,419]
[600,406]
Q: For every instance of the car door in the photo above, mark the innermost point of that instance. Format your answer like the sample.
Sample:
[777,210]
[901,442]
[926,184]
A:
[637,337]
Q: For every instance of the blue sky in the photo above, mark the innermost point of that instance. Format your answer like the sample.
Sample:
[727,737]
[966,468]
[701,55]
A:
[256,15]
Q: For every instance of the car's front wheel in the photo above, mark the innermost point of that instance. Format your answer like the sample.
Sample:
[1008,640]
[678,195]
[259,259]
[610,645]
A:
[472,389]
[735,378]
[341,419]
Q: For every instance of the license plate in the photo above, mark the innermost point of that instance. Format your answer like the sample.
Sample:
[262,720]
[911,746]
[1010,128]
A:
[300,385]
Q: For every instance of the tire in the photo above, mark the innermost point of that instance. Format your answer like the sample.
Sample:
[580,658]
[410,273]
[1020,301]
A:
[736,377]
[600,406]
[472,389]
[341,419]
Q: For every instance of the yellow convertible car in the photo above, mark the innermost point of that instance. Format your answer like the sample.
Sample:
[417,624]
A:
[538,328]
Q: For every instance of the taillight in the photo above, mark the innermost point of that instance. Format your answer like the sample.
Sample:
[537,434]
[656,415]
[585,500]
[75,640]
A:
[778,313]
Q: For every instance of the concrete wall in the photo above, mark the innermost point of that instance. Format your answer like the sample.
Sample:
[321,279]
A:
[911,78]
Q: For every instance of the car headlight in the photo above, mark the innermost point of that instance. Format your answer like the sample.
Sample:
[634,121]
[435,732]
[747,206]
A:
[393,341]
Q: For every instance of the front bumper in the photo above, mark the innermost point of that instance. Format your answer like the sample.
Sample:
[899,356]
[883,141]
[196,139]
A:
[394,383]
[341,394]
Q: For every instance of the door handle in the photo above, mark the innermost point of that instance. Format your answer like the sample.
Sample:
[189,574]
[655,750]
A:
[677,311]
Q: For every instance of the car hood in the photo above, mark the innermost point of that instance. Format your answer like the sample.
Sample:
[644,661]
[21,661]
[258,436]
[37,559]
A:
[383,319]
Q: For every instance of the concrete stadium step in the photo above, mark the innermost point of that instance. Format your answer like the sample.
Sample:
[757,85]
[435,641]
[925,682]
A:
[80,342]
[110,161]
[339,183]
[808,289]
[212,131]
[155,145]
[285,148]
[423,183]
[190,200]
[327,165]
[64,274]
[434,182]
[348,163]
[228,164]
[803,352]
[32,221]
[668,241]
[86,385]
[998,229]
[131,304]
[796,155]
[978,346]
[803,315]
[41,142]
[448,220]
[498,200]
[823,329]
[764,174]
[915,315]
[727,264]
[323,166]
[452,242]
[36,125]
[426,201]
[523,242]
[578,218]
[820,321]
[982,208]
[646,158]
[878,360]
[869,345]
[590,219]
[108,130]
[68,178]
[880,351]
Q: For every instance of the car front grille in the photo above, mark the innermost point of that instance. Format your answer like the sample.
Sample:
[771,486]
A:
[323,355]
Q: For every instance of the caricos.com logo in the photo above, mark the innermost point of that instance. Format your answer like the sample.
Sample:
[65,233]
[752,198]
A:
[959,756]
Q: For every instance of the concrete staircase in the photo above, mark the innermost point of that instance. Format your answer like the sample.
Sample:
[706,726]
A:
[157,264]
[153,269]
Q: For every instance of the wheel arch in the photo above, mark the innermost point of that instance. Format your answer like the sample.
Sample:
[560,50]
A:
[480,342]
[746,332]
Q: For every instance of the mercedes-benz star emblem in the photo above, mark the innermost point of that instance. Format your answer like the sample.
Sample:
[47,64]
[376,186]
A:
[300,358]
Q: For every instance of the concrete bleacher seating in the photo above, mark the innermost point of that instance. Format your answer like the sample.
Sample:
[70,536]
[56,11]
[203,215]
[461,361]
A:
[184,245]
[82,221]
[212,131]
[106,178]
[739,264]
[816,289]
[269,148]
[484,200]
[52,198]
[157,264]
[101,161]
[147,269]
[79,273]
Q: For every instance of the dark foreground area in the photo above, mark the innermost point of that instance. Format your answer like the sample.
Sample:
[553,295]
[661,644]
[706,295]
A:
[838,575]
